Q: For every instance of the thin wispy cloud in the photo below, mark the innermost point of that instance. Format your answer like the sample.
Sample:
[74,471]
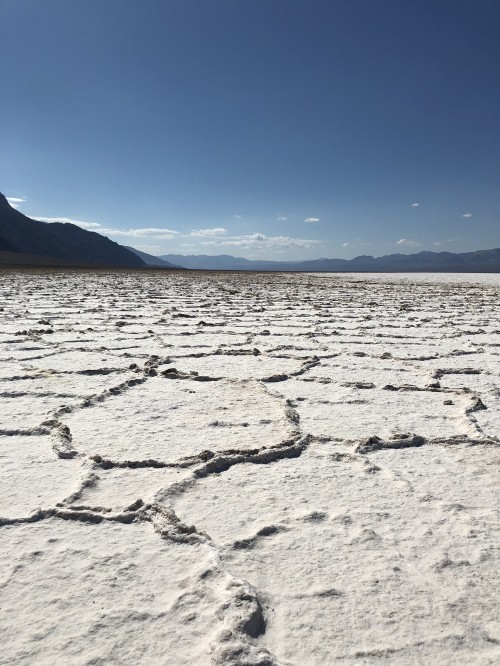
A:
[467,215]
[236,217]
[259,241]
[15,202]
[415,205]
[90,226]
[217,231]
[311,220]
[157,233]
[347,245]
[408,242]
[281,218]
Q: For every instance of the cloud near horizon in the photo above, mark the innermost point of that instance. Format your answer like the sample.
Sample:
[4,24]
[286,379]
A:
[409,243]
[258,241]
[215,236]
[148,232]
[156,233]
[202,233]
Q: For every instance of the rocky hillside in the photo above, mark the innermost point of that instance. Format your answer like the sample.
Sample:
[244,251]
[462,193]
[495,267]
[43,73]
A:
[21,234]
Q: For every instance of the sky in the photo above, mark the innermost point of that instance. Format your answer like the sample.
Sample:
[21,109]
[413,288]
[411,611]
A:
[270,129]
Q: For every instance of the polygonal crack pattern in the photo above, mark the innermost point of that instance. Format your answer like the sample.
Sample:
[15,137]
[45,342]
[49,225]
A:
[251,469]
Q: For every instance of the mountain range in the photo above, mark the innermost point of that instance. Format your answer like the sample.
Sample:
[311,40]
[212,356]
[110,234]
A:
[480,261]
[24,241]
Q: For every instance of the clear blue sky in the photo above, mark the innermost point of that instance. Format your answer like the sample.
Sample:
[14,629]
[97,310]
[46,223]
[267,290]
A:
[260,128]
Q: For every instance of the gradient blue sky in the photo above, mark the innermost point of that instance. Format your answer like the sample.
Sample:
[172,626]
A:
[278,129]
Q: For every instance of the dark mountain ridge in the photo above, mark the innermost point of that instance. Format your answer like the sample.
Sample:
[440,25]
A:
[151,260]
[21,234]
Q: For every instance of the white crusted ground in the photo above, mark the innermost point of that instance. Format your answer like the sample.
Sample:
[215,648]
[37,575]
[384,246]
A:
[249,469]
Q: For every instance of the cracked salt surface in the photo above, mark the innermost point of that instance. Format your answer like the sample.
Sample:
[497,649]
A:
[248,469]
[111,594]
[361,556]
[168,419]
[32,476]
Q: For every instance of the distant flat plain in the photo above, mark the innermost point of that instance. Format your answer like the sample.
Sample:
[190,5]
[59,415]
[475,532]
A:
[248,468]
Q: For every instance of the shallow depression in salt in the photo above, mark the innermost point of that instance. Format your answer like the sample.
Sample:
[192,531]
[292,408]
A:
[258,469]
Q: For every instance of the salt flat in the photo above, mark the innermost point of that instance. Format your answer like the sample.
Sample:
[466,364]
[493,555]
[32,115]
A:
[250,469]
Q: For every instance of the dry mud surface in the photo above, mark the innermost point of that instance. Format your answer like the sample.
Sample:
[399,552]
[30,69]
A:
[203,468]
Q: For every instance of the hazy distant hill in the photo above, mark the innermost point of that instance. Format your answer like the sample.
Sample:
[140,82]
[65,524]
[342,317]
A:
[480,261]
[206,262]
[151,260]
[23,235]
